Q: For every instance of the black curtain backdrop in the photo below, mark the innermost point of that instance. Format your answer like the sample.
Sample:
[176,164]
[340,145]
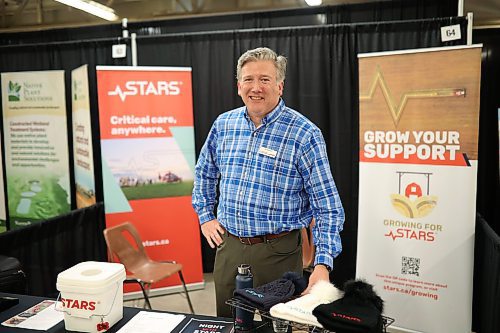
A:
[47,248]
[322,83]
[66,56]
[488,187]
[354,13]
[486,305]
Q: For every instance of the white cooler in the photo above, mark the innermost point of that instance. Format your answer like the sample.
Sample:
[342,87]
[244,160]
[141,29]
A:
[91,295]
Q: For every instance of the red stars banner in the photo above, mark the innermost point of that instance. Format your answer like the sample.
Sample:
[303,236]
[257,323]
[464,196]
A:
[148,158]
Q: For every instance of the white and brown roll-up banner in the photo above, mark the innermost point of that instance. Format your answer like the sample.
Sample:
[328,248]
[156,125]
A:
[83,151]
[419,113]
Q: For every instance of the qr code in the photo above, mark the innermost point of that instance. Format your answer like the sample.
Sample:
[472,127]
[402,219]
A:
[410,265]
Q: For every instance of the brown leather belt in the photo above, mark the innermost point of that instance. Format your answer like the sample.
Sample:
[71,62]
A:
[258,239]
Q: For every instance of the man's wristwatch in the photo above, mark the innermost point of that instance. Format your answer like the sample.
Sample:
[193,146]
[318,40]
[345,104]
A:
[328,268]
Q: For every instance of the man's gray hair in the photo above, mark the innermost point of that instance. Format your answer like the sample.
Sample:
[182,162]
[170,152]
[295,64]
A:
[263,53]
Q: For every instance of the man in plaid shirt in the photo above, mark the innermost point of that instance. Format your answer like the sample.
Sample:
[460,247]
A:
[272,170]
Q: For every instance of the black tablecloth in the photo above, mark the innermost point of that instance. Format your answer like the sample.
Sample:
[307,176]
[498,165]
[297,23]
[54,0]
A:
[25,302]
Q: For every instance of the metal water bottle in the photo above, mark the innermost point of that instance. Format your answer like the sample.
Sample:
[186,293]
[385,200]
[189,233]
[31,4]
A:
[243,319]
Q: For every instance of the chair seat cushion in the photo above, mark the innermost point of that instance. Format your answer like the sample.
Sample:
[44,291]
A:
[151,271]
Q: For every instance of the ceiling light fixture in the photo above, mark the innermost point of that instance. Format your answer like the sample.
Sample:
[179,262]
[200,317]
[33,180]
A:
[93,8]
[314,2]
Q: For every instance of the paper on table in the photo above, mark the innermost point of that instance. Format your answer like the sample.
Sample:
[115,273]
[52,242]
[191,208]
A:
[41,316]
[152,322]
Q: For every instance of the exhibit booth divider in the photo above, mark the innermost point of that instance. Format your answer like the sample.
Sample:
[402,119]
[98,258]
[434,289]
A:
[49,247]
[486,301]
[321,83]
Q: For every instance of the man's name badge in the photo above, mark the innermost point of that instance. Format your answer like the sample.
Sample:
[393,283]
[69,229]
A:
[268,152]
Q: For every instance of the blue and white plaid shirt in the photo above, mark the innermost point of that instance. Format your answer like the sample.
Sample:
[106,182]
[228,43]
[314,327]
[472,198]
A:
[273,178]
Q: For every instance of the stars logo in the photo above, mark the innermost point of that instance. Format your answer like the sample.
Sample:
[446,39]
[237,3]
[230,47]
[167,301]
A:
[146,88]
[119,92]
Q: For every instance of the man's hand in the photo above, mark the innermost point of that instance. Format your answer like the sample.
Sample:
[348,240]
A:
[212,230]
[320,272]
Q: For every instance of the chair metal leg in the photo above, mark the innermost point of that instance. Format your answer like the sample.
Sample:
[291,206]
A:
[186,291]
[144,292]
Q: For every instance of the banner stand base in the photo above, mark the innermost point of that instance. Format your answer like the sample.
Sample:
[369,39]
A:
[164,291]
[395,329]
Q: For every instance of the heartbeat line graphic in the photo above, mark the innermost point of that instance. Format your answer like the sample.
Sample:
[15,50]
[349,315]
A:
[390,234]
[118,91]
[397,109]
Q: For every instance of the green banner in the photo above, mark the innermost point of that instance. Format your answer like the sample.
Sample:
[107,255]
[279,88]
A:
[36,146]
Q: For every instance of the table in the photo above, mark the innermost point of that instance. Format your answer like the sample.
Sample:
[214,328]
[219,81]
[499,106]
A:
[26,302]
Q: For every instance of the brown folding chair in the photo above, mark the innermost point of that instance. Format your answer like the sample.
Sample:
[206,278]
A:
[140,268]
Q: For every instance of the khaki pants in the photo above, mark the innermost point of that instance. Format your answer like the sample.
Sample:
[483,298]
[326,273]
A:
[268,262]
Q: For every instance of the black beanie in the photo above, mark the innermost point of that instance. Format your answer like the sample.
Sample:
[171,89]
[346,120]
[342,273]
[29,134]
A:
[299,281]
[360,310]
[267,295]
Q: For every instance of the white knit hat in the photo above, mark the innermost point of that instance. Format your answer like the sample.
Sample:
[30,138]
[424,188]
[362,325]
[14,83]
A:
[300,309]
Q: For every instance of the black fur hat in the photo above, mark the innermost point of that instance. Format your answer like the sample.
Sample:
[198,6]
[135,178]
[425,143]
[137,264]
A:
[360,310]
[362,292]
